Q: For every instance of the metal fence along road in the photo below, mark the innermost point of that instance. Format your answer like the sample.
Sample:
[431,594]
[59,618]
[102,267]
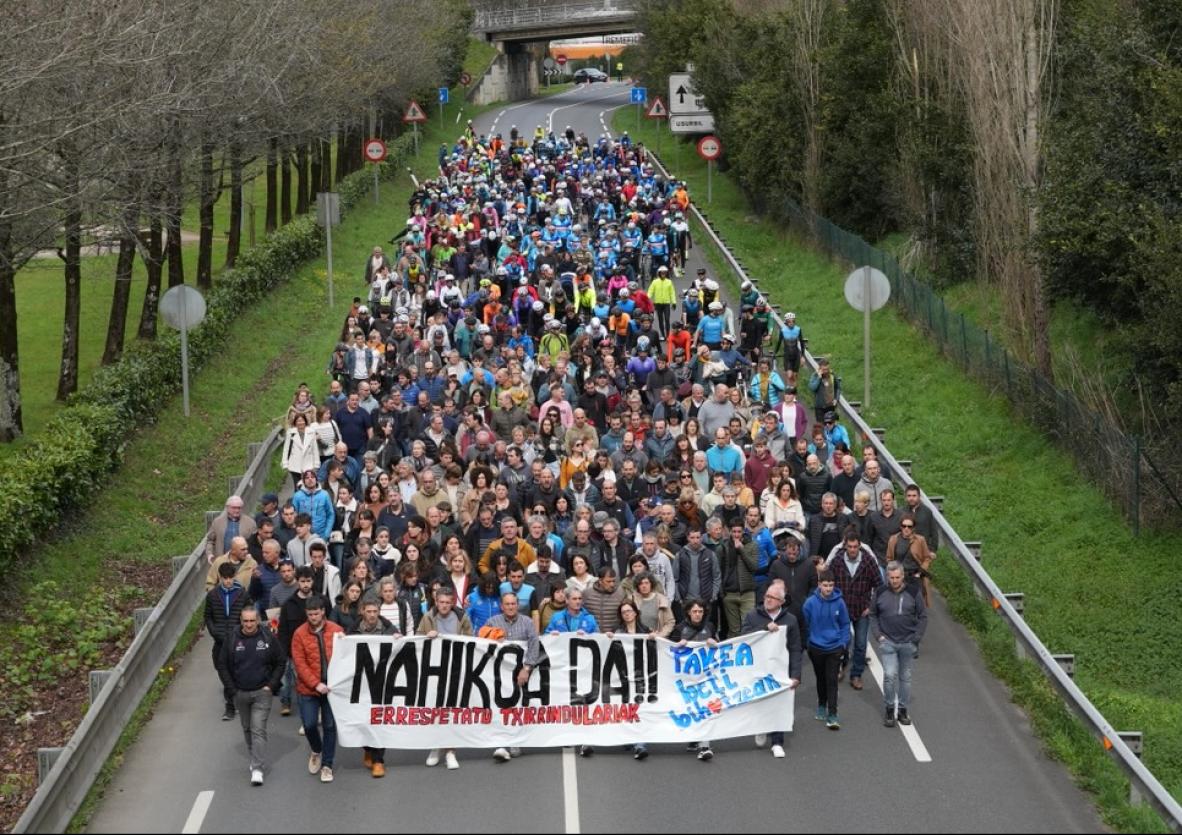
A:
[1143,784]
[506,17]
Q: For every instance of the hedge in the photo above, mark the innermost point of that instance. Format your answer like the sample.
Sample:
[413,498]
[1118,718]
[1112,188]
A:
[63,468]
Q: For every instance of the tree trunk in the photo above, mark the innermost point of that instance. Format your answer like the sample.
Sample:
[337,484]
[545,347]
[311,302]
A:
[302,178]
[316,180]
[272,186]
[343,140]
[67,380]
[209,196]
[153,263]
[234,241]
[326,164]
[117,324]
[172,246]
[285,185]
[11,422]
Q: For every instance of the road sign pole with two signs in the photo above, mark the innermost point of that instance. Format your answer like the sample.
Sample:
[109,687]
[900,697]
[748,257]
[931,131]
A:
[657,110]
[639,96]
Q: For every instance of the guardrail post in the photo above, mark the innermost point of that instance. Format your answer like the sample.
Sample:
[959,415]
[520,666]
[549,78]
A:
[938,501]
[974,549]
[856,405]
[905,463]
[141,617]
[210,515]
[880,431]
[1018,601]
[98,678]
[178,564]
[232,484]
[252,451]
[1067,662]
[1136,742]
[46,758]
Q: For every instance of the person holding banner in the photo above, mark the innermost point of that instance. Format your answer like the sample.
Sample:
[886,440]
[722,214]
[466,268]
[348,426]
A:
[696,628]
[444,619]
[511,625]
[574,618]
[372,623]
[774,616]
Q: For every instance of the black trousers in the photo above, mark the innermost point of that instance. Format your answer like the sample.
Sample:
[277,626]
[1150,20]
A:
[825,666]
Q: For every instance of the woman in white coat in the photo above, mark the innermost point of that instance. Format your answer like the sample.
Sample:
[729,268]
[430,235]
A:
[301,449]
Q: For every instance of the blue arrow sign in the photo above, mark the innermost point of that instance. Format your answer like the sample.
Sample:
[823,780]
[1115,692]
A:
[639,95]
[443,95]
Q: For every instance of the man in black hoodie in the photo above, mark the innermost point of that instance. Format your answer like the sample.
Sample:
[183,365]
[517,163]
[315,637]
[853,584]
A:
[223,604]
[774,616]
[798,574]
[253,663]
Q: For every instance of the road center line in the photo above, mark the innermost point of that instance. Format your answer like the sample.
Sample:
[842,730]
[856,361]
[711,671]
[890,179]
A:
[570,791]
[918,749]
[197,813]
[550,115]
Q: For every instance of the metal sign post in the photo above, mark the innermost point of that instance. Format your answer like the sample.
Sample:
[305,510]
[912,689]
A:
[867,290]
[709,149]
[183,307]
[328,215]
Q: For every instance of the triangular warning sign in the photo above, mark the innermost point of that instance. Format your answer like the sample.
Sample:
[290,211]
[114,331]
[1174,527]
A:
[657,109]
[414,113]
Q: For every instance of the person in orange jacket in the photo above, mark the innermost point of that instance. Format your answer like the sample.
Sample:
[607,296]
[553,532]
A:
[311,651]
[679,337]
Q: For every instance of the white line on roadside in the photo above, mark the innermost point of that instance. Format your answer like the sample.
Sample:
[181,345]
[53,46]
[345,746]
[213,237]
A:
[197,813]
[570,791]
[918,749]
[602,122]
[493,129]
[550,115]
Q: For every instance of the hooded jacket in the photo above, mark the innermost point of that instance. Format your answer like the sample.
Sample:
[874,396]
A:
[828,621]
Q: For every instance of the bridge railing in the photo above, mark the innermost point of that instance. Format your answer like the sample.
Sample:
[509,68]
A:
[1143,784]
[529,15]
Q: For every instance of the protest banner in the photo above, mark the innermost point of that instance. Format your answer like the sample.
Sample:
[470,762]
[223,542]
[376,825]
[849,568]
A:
[586,689]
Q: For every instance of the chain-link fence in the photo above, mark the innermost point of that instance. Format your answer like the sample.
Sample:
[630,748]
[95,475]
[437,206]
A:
[1116,461]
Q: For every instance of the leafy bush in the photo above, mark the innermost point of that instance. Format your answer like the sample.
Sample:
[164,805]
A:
[61,469]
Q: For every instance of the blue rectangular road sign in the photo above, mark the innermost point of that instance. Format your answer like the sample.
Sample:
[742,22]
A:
[443,95]
[639,95]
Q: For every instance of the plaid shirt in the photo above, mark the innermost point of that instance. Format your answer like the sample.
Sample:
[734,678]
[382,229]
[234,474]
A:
[522,630]
[857,589]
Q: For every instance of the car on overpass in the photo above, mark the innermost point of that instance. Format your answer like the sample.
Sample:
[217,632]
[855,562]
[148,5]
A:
[589,75]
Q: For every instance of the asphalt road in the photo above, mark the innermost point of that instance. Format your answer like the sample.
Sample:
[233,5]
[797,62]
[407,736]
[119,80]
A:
[971,763]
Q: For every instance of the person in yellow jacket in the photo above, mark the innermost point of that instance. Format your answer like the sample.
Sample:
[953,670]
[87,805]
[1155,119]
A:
[664,296]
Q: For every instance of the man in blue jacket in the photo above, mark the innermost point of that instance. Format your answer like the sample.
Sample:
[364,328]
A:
[574,618]
[315,502]
[828,624]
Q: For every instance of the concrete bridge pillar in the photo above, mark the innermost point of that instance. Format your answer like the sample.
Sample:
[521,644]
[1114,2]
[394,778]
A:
[513,75]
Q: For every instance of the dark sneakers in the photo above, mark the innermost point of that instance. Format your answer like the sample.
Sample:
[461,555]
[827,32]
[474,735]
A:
[229,714]
[889,720]
[904,719]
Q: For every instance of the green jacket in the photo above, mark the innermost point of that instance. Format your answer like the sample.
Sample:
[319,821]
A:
[661,291]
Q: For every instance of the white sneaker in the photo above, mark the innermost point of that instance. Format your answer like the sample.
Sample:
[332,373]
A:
[778,752]
[514,751]
[760,740]
[433,758]
[501,755]
[705,754]
[301,730]
[313,763]
[256,777]
[450,759]
[326,775]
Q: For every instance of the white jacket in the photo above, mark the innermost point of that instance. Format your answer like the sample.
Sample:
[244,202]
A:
[301,454]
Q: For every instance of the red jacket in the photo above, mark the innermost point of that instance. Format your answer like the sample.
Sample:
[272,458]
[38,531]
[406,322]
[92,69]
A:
[305,655]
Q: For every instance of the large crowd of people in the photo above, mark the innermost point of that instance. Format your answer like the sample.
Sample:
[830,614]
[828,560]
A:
[537,420]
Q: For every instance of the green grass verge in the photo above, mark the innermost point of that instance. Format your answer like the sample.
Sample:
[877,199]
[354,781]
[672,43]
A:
[179,467]
[1044,531]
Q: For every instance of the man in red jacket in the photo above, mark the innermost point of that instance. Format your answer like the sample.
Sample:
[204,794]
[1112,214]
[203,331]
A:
[311,650]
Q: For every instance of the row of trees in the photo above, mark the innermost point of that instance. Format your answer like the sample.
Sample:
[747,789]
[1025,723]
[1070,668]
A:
[1031,143]
[115,115]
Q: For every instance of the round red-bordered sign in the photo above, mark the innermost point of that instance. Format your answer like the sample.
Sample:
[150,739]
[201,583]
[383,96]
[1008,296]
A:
[709,148]
[375,150]
[560,59]
[465,78]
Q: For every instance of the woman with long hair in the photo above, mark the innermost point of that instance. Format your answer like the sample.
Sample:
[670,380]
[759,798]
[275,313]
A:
[301,449]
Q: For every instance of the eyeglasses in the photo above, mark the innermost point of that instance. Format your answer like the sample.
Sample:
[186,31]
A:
[907,526]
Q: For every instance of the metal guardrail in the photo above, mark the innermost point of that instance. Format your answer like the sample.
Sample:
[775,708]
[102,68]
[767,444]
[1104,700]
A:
[76,766]
[522,16]
[1144,785]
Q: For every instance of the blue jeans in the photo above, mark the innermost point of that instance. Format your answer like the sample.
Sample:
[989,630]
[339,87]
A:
[288,686]
[857,656]
[315,710]
[897,663]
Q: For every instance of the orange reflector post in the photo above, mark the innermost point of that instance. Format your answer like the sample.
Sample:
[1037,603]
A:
[1107,744]
[996,603]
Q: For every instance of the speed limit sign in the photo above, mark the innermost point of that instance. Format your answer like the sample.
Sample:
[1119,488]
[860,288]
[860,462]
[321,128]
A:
[375,150]
[709,148]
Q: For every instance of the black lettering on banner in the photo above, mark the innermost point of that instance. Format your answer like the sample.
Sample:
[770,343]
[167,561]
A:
[638,670]
[615,668]
[406,662]
[473,672]
[499,670]
[588,697]
[428,671]
[373,674]
[651,663]
[455,675]
[540,675]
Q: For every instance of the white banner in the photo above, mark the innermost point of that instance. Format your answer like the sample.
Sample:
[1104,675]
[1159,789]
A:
[463,693]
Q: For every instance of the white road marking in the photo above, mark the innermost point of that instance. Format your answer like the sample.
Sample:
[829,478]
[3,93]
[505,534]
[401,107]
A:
[197,813]
[602,122]
[918,749]
[570,790]
[550,115]
[493,128]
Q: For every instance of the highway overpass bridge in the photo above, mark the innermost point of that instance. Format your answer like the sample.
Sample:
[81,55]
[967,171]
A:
[522,28]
